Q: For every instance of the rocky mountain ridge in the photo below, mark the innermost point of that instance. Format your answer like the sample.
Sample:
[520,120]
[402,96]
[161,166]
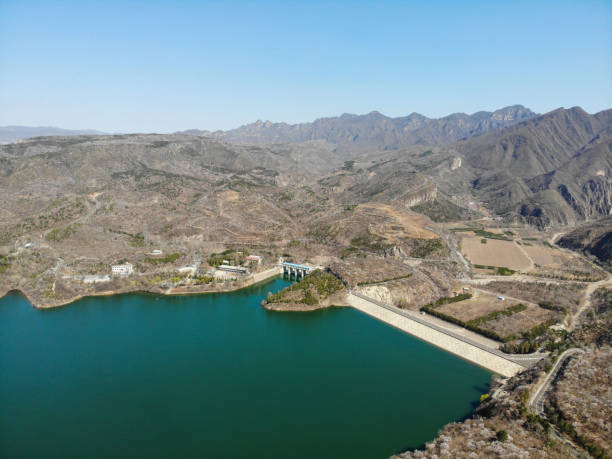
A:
[594,239]
[555,168]
[374,130]
[551,169]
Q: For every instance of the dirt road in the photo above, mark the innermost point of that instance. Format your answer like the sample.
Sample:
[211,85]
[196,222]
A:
[585,302]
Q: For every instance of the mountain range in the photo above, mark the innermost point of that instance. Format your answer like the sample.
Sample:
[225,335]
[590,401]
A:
[543,170]
[374,130]
[10,134]
[554,168]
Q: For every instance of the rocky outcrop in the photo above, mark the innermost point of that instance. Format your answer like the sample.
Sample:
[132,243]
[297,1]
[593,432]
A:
[594,239]
[411,293]
[427,193]
[552,169]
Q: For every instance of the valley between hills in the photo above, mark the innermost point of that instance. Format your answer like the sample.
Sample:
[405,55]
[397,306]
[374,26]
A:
[495,226]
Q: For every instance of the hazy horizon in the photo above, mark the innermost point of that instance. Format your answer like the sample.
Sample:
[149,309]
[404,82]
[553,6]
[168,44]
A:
[204,128]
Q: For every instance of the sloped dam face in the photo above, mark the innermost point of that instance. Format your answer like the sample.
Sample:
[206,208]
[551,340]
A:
[218,376]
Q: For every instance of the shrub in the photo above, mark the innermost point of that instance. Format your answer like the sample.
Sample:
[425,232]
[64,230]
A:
[369,241]
[502,435]
[503,271]
[348,165]
[427,247]
[315,287]
[489,235]
[231,255]
[538,329]
[4,263]
[552,307]
[167,259]
[57,235]
[200,280]
[495,314]
[526,347]
[450,299]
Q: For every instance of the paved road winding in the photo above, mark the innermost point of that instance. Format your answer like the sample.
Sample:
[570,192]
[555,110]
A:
[537,401]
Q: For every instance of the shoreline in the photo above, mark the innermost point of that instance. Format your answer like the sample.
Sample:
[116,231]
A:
[459,348]
[257,278]
[299,307]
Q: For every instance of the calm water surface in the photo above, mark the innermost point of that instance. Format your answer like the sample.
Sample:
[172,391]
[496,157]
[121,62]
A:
[218,376]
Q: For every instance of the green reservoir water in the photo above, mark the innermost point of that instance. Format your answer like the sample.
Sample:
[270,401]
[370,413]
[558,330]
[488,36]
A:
[218,376]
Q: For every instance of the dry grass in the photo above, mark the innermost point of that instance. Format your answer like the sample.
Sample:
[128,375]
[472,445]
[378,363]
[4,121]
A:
[360,271]
[494,253]
[567,295]
[404,224]
[479,305]
[482,304]
[542,255]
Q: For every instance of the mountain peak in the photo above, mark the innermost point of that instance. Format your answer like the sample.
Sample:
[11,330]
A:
[375,114]
[378,131]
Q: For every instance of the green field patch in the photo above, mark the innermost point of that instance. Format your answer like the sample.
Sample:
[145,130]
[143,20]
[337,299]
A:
[499,270]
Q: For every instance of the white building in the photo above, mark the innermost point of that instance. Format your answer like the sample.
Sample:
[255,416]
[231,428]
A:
[233,269]
[122,270]
[96,279]
[156,252]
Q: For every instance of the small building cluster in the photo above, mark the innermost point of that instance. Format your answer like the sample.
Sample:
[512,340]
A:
[254,258]
[224,271]
[233,269]
[125,269]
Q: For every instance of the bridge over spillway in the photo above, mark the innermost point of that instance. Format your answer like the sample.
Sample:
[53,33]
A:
[296,270]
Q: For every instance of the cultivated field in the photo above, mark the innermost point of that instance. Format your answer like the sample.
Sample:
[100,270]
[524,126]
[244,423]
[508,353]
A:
[543,256]
[494,253]
[565,295]
[479,305]
[519,322]
[556,263]
[498,319]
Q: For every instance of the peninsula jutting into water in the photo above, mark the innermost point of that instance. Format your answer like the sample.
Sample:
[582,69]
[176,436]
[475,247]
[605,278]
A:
[219,376]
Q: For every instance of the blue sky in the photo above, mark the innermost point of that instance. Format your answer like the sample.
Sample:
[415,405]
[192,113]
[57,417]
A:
[163,66]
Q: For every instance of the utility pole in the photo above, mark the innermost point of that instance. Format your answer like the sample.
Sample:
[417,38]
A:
[145,234]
